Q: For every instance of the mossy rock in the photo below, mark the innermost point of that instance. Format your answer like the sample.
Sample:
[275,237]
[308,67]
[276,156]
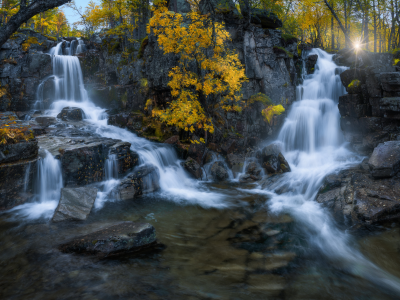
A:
[354,87]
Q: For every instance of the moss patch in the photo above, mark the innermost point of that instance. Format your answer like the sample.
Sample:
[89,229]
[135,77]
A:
[289,39]
[143,45]
[28,43]
[281,50]
[260,97]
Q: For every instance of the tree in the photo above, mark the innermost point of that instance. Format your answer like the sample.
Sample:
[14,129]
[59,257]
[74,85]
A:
[26,11]
[208,76]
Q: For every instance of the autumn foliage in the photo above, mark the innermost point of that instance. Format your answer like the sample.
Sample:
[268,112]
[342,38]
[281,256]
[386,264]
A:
[208,72]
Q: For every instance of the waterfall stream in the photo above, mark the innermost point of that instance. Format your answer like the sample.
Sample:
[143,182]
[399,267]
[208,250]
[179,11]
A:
[312,144]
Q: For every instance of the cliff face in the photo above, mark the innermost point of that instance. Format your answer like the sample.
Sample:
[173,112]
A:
[22,67]
[371,111]
[128,82]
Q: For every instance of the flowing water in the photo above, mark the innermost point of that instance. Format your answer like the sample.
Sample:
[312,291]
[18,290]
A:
[224,241]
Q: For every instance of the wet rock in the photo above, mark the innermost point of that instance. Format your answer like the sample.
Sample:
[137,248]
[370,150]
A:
[390,81]
[385,160]
[253,172]
[197,152]
[75,204]
[228,146]
[349,75]
[45,121]
[16,180]
[352,105]
[83,158]
[71,114]
[361,198]
[219,172]
[390,107]
[121,238]
[192,167]
[273,161]
[235,162]
[144,180]
[275,184]
[311,61]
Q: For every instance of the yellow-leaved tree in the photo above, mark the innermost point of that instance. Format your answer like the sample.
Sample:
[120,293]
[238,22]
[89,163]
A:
[208,76]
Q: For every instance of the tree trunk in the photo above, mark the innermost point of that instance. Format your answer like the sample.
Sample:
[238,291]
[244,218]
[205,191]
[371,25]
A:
[24,14]
[375,36]
[339,22]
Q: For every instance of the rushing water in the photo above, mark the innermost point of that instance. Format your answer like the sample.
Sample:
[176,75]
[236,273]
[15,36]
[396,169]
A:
[224,241]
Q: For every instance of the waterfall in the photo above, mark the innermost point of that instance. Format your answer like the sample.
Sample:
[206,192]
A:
[111,167]
[314,148]
[81,47]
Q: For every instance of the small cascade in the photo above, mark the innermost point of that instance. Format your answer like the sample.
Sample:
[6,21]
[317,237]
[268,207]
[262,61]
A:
[111,167]
[73,47]
[81,47]
[49,178]
[207,167]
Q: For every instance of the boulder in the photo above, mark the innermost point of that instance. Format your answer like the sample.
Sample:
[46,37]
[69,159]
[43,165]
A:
[75,204]
[197,152]
[45,121]
[71,114]
[265,18]
[194,169]
[311,61]
[273,161]
[385,160]
[144,180]
[235,162]
[219,172]
[253,172]
[357,196]
[349,75]
[121,238]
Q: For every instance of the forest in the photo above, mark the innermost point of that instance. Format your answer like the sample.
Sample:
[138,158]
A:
[374,24]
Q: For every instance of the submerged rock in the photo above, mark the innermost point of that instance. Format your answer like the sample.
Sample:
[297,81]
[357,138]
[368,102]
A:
[45,121]
[385,160]
[235,162]
[71,114]
[144,180]
[121,238]
[192,167]
[75,204]
[219,172]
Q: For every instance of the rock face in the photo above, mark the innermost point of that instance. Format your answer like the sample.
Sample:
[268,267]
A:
[75,204]
[83,159]
[385,160]
[219,172]
[22,66]
[358,197]
[121,238]
[370,113]
[16,182]
[71,114]
[311,61]
[193,168]
[265,18]
[144,180]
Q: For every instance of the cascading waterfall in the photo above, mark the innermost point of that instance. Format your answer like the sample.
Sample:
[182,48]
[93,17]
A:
[313,145]
[81,47]
[111,167]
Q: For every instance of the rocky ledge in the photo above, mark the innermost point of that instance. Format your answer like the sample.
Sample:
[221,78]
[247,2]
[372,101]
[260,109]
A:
[121,238]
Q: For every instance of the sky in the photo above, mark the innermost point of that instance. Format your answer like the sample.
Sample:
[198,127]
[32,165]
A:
[70,14]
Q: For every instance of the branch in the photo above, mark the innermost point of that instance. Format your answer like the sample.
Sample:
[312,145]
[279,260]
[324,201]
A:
[24,14]
[348,41]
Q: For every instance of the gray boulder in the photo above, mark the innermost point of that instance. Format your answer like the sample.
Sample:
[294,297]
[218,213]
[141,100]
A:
[385,160]
[121,238]
[71,114]
[219,172]
[75,204]
[192,167]
[273,161]
[144,180]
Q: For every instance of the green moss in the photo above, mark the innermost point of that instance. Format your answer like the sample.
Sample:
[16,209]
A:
[143,45]
[260,97]
[289,39]
[282,50]
[27,43]
[51,38]
[396,61]
[354,84]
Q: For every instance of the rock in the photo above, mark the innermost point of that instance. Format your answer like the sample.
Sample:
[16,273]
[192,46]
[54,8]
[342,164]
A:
[253,172]
[385,160]
[193,168]
[144,180]
[235,162]
[219,172]
[311,61]
[390,81]
[121,238]
[71,114]
[83,158]
[75,204]
[265,18]
[172,140]
[16,180]
[390,107]
[273,161]
[45,121]
[352,105]
[197,152]
[228,146]
[349,75]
